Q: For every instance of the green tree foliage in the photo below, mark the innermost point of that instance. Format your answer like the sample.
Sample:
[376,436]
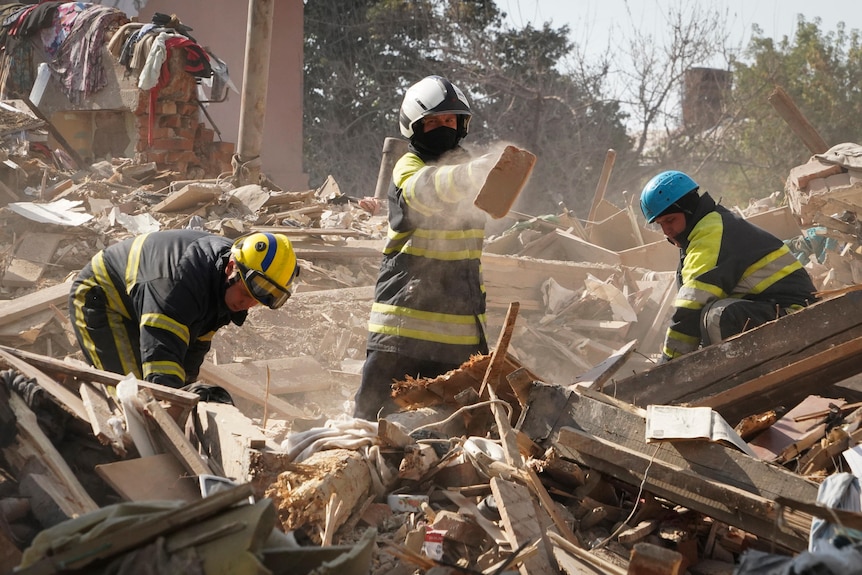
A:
[820,72]
[360,56]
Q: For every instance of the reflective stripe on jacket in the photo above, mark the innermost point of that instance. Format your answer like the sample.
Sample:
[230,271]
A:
[172,285]
[725,256]
[430,300]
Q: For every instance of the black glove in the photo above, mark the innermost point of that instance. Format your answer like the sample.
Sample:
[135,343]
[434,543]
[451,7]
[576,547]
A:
[210,393]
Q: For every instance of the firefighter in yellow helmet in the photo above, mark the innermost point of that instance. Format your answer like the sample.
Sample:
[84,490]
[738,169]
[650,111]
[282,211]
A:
[151,304]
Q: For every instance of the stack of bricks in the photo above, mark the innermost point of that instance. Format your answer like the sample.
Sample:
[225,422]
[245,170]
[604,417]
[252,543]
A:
[181,143]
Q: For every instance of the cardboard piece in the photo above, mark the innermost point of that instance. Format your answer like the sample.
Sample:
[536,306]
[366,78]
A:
[505,181]
[158,477]
[190,196]
[31,257]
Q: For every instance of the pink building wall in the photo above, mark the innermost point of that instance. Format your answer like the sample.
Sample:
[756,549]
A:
[221,26]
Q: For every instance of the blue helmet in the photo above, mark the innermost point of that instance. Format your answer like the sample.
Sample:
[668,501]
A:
[662,191]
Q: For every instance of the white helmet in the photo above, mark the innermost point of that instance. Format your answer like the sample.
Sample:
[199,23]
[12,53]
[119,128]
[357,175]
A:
[430,96]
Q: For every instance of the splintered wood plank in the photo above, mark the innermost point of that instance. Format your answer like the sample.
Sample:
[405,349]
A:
[286,374]
[19,308]
[228,436]
[27,329]
[177,443]
[62,396]
[75,498]
[31,257]
[772,442]
[302,490]
[157,477]
[521,524]
[182,402]
[597,376]
[99,411]
[505,181]
[724,502]
[467,507]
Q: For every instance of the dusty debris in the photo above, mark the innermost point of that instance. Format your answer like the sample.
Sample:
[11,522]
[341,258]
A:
[532,459]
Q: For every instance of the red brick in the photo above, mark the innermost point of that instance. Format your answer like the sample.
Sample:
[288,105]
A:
[166,108]
[185,133]
[223,147]
[187,157]
[157,157]
[204,135]
[143,107]
[172,144]
[187,108]
[172,121]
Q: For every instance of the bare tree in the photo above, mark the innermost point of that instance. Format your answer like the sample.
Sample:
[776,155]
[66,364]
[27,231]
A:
[652,68]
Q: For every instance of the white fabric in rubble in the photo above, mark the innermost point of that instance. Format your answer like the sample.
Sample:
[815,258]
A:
[840,491]
[153,66]
[354,434]
[349,434]
[848,155]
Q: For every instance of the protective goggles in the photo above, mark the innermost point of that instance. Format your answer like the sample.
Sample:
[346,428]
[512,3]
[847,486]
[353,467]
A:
[262,288]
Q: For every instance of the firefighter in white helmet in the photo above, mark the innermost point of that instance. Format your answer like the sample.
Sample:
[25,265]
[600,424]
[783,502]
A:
[428,314]
[151,304]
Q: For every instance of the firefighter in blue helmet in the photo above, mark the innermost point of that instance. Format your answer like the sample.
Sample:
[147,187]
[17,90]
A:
[428,314]
[733,275]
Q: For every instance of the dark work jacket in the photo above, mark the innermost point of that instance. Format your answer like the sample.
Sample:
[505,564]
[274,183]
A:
[172,284]
[724,256]
[429,299]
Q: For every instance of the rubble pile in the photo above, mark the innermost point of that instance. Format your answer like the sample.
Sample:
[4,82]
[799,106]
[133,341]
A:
[565,450]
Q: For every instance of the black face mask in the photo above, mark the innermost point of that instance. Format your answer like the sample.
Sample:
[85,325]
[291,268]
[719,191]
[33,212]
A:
[437,141]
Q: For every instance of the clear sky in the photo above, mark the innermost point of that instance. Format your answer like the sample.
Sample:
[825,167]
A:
[593,21]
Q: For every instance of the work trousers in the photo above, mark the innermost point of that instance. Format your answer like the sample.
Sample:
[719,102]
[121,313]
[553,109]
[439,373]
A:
[381,370]
[109,341]
[726,317]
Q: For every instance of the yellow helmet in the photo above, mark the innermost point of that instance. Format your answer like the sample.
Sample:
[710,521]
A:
[267,265]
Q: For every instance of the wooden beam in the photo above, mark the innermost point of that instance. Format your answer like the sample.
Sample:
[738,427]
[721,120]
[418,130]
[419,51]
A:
[597,376]
[718,368]
[786,375]
[184,401]
[601,186]
[18,308]
[521,524]
[793,116]
[62,396]
[552,408]
[675,483]
[75,498]
[73,153]
[177,443]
